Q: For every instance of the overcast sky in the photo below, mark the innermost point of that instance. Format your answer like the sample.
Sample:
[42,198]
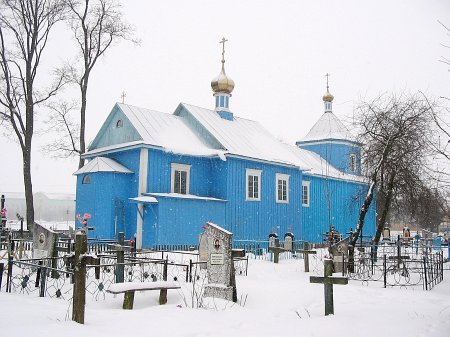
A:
[278,53]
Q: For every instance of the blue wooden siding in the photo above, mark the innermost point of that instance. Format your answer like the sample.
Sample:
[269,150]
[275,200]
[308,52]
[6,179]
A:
[338,155]
[110,134]
[99,199]
[255,220]
[345,198]
[177,221]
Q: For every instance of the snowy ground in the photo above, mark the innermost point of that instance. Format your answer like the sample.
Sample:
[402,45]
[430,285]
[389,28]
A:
[279,301]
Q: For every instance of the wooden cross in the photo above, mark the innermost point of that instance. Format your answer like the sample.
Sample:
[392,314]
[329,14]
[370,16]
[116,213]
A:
[276,249]
[123,96]
[79,262]
[306,251]
[328,280]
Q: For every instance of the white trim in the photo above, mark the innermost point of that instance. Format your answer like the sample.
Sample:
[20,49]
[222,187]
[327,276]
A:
[257,173]
[327,141]
[307,184]
[285,177]
[179,167]
[142,188]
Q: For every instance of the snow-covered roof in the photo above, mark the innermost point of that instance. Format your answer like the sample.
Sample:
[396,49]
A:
[102,164]
[145,199]
[243,137]
[165,130]
[328,127]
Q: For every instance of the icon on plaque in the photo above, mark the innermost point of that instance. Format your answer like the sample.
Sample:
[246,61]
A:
[41,238]
[216,244]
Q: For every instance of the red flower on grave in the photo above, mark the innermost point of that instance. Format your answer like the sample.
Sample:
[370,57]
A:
[203,227]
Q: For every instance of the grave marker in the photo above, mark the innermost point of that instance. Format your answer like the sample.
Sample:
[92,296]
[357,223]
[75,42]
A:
[203,247]
[220,263]
[276,249]
[289,241]
[306,251]
[44,242]
[328,280]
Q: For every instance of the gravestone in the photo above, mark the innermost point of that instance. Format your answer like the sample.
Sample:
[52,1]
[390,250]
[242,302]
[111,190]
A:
[272,237]
[219,263]
[288,241]
[44,242]
[339,251]
[203,247]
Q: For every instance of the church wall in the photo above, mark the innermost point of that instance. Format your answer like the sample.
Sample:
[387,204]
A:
[99,200]
[180,220]
[255,220]
[159,176]
[338,155]
[346,199]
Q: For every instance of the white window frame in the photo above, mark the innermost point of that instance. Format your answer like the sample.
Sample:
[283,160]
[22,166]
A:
[283,177]
[256,173]
[179,167]
[353,162]
[307,184]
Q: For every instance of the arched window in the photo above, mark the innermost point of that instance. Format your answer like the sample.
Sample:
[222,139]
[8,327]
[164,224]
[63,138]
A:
[86,179]
[119,123]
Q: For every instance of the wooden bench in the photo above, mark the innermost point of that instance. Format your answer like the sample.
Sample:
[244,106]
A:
[130,287]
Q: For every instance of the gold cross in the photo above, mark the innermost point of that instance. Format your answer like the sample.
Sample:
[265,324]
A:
[223,49]
[327,76]
[123,96]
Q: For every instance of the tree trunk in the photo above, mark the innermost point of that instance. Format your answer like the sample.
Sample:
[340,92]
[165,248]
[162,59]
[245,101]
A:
[385,209]
[362,213]
[26,154]
[83,88]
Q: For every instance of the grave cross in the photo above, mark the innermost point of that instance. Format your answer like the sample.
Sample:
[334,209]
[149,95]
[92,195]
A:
[328,280]
[306,251]
[79,261]
[276,249]
[399,256]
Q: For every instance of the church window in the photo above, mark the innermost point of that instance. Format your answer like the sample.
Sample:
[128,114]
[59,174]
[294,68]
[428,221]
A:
[253,183]
[180,178]
[353,162]
[119,123]
[305,193]
[282,188]
[86,179]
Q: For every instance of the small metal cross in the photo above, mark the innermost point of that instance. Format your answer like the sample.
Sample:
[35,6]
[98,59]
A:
[223,48]
[123,96]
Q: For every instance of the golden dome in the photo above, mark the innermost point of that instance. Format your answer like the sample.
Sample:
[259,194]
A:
[222,83]
[328,97]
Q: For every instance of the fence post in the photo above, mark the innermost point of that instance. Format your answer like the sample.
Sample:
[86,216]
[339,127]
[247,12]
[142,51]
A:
[190,270]
[79,287]
[425,272]
[163,292]
[384,269]
[43,279]
[120,258]
[2,267]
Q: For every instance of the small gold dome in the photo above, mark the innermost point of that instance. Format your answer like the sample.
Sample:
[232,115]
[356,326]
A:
[328,97]
[222,83]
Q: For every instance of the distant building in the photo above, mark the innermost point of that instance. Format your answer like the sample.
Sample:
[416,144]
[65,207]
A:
[161,176]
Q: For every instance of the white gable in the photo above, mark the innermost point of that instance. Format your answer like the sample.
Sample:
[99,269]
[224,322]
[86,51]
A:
[328,127]
[102,164]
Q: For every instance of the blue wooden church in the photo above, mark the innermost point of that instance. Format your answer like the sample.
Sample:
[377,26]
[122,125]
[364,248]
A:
[160,177]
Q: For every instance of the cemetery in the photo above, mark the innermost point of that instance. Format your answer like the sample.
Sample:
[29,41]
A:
[83,273]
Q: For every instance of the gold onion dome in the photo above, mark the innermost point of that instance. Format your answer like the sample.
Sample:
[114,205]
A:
[328,97]
[222,83]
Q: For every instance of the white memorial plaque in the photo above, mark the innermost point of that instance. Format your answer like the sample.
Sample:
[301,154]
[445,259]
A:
[217,259]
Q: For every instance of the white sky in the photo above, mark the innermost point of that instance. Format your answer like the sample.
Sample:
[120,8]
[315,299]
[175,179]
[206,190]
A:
[278,53]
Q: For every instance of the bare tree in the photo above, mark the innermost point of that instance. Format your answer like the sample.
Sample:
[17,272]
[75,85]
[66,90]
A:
[96,25]
[25,26]
[397,133]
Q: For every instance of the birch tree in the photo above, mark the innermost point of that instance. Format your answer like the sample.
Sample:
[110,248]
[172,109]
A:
[25,27]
